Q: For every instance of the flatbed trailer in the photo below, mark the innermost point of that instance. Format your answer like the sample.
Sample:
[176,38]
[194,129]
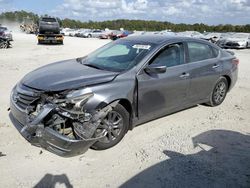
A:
[50,38]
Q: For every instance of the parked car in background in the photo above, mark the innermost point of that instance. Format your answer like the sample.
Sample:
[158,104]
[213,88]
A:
[167,33]
[92,101]
[224,36]
[115,35]
[238,41]
[212,37]
[81,32]
[6,33]
[192,34]
[106,34]
[93,33]
[120,34]
[197,35]
[66,31]
[73,32]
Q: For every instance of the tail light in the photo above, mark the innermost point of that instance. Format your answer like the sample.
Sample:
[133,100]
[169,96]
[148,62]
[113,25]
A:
[236,61]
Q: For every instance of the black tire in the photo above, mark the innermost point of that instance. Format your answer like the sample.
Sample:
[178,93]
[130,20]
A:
[89,36]
[102,144]
[219,92]
[4,45]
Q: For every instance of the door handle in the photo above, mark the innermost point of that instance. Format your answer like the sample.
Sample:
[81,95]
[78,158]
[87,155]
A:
[184,75]
[216,66]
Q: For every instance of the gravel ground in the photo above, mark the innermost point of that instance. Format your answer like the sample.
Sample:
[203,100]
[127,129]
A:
[198,147]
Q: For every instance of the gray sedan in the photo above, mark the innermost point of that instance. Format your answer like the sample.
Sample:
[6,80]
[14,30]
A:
[69,106]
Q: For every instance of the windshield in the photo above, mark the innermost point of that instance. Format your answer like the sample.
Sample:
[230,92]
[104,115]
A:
[240,35]
[49,19]
[117,56]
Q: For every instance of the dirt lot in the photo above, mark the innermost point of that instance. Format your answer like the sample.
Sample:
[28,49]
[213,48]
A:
[198,147]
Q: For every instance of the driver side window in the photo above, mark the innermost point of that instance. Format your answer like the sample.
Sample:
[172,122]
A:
[171,55]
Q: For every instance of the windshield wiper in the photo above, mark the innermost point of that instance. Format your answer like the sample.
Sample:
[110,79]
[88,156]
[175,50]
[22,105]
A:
[93,66]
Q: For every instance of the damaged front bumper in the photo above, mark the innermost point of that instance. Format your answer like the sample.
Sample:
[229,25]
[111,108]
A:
[46,137]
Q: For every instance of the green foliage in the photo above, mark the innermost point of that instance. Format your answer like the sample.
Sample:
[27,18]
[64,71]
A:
[19,16]
[151,25]
[139,25]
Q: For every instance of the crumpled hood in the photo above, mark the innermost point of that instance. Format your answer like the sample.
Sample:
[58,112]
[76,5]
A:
[64,75]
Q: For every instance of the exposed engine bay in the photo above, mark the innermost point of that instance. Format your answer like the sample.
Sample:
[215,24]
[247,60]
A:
[69,119]
[63,113]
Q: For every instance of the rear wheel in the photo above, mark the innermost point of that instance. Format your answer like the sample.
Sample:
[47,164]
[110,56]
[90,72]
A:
[114,126]
[219,92]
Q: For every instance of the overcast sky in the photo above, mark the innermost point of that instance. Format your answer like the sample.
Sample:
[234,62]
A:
[177,11]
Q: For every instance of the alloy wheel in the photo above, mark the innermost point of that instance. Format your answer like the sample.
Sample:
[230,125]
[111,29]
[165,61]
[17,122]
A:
[111,127]
[220,92]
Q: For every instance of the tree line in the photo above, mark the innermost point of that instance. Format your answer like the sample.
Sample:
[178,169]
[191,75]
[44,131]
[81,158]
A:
[139,25]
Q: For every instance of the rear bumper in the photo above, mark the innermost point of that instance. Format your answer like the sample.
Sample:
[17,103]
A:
[234,77]
[50,38]
[48,138]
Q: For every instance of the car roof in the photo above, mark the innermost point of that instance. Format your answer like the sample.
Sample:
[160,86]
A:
[159,39]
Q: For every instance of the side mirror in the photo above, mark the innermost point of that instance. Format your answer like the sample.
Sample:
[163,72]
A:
[155,69]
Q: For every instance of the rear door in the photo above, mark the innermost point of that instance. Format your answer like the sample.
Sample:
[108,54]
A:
[159,94]
[204,68]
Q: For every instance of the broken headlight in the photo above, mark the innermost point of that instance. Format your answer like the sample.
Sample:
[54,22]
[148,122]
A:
[75,100]
[79,97]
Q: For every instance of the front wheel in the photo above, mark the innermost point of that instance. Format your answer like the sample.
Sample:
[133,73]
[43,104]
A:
[114,126]
[4,45]
[219,92]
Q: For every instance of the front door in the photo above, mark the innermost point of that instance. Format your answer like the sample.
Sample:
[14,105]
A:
[162,93]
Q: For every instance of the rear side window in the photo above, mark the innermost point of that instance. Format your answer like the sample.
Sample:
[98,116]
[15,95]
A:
[170,56]
[199,52]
